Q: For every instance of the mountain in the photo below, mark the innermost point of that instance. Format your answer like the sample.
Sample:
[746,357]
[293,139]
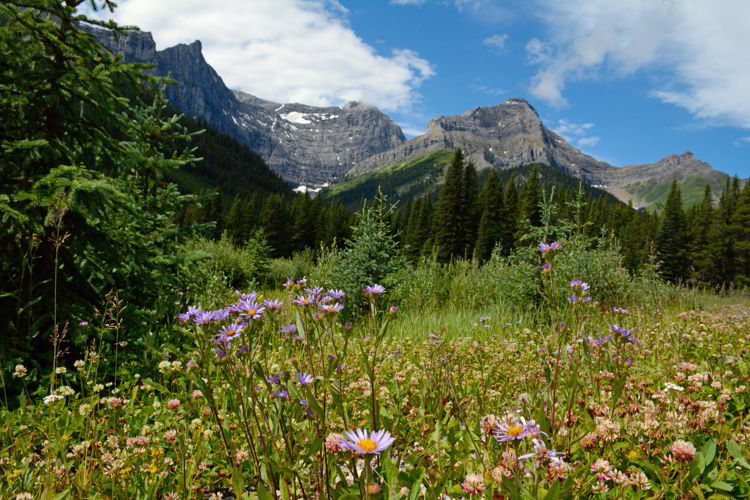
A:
[511,134]
[304,144]
[318,146]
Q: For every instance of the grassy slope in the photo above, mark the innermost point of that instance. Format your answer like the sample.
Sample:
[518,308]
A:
[654,193]
[416,177]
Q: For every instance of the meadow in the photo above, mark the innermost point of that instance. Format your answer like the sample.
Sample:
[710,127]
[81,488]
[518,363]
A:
[449,383]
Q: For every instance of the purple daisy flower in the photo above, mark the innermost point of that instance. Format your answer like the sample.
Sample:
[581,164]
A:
[336,294]
[360,442]
[251,309]
[273,305]
[579,286]
[541,452]
[374,290]
[332,308]
[509,432]
[304,301]
[283,393]
[289,282]
[304,378]
[288,329]
[620,310]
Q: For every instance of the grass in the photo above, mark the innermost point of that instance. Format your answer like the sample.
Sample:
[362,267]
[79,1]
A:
[482,399]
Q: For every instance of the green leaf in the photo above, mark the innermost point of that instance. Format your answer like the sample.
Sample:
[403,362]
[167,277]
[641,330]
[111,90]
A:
[709,451]
[263,493]
[735,450]
[238,481]
[698,466]
[722,486]
[553,492]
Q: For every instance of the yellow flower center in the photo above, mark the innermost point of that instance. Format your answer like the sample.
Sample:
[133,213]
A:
[633,454]
[252,312]
[367,445]
[515,431]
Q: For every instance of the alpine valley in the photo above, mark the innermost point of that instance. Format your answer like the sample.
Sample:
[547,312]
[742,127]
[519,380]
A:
[339,148]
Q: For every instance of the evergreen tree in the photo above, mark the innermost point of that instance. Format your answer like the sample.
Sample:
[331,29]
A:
[673,239]
[510,222]
[450,214]
[740,230]
[493,213]
[471,213]
[701,253]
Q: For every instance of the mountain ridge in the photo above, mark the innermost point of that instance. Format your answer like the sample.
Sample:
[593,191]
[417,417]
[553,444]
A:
[311,145]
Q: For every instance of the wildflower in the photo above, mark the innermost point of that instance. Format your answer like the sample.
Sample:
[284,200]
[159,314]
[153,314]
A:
[20,371]
[52,398]
[336,294]
[83,323]
[289,283]
[240,456]
[60,370]
[173,404]
[474,484]
[334,308]
[670,386]
[84,409]
[251,309]
[620,310]
[301,282]
[360,442]
[393,309]
[79,364]
[575,299]
[24,496]
[288,329]
[273,305]
[542,453]
[304,301]
[333,443]
[547,268]
[579,286]
[197,394]
[283,393]
[510,431]
[628,334]
[548,251]
[373,488]
[683,451]
[304,378]
[374,290]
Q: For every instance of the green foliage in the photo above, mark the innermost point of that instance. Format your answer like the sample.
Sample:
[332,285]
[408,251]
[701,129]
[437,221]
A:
[372,255]
[242,267]
[672,243]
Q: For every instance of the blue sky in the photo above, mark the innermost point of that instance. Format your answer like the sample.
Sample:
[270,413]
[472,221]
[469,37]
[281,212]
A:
[627,82]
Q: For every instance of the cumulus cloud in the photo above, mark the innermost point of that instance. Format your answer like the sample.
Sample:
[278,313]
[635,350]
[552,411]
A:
[285,50]
[696,51]
[496,41]
[741,142]
[407,2]
[484,89]
[577,134]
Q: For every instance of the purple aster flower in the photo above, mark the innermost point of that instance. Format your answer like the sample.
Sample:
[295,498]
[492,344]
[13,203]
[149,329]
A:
[304,301]
[332,308]
[274,379]
[374,290]
[315,291]
[273,305]
[547,268]
[251,309]
[509,432]
[289,282]
[628,334]
[288,329]
[304,378]
[283,393]
[549,251]
[304,402]
[325,300]
[620,310]
[336,294]
[541,452]
[579,286]
[603,340]
[393,309]
[86,323]
[301,282]
[248,297]
[348,326]
[361,442]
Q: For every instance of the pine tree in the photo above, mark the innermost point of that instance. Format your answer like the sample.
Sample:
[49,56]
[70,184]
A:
[740,230]
[701,250]
[672,241]
[510,221]
[471,213]
[449,230]
[493,213]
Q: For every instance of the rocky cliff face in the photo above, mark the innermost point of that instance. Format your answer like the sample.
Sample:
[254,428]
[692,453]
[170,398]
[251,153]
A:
[503,136]
[304,144]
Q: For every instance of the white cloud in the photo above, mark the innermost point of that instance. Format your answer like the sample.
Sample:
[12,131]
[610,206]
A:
[577,134]
[408,2]
[285,50]
[537,51]
[741,142]
[697,49]
[496,41]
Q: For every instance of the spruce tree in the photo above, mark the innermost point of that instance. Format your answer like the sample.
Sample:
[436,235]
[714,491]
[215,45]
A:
[471,213]
[740,230]
[701,250]
[493,213]
[450,215]
[510,220]
[672,241]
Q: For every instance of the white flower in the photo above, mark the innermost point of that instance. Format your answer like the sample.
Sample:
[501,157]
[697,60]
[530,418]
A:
[670,385]
[60,370]
[20,371]
[52,398]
